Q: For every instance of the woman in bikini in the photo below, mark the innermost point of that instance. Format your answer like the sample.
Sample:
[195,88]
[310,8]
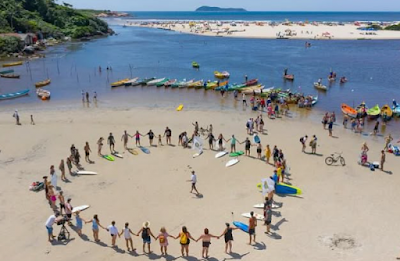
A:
[137,137]
[206,238]
[87,152]
[100,146]
[95,227]
[220,142]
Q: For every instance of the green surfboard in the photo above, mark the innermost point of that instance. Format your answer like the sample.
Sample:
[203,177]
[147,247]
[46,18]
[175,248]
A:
[236,154]
[108,157]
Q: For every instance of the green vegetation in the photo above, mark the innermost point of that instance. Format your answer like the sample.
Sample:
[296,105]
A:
[9,45]
[49,18]
[395,27]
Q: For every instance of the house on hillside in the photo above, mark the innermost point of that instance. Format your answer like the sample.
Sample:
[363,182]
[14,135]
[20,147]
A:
[26,39]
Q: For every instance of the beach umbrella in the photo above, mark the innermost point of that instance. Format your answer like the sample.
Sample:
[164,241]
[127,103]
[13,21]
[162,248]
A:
[267,185]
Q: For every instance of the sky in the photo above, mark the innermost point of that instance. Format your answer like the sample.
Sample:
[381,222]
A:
[250,5]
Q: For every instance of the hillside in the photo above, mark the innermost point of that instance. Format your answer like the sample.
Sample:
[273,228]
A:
[219,9]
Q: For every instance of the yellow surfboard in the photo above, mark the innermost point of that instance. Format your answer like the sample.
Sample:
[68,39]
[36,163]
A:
[180,107]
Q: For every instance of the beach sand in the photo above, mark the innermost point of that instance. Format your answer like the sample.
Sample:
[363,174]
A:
[293,31]
[345,213]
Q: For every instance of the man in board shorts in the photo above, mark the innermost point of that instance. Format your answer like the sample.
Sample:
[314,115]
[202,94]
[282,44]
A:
[252,227]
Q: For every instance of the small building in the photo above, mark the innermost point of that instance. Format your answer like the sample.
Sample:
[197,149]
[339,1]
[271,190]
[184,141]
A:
[26,39]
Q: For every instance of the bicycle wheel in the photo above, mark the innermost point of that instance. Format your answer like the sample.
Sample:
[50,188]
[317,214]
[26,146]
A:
[342,161]
[329,161]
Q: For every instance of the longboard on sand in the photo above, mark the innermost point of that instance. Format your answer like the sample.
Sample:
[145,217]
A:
[144,150]
[282,188]
[232,162]
[108,157]
[180,107]
[262,206]
[116,154]
[220,154]
[133,151]
[241,226]
[256,215]
[85,172]
[197,154]
[80,208]
[236,154]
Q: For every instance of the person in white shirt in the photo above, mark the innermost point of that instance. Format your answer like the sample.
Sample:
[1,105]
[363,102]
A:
[127,232]
[113,232]
[193,180]
[49,225]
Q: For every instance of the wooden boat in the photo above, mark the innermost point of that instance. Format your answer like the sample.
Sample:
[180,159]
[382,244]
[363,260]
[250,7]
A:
[155,81]
[251,82]
[43,83]
[12,64]
[289,77]
[236,87]
[214,84]
[374,112]
[195,65]
[119,83]
[6,71]
[184,84]
[253,89]
[221,75]
[386,112]
[143,81]
[14,95]
[314,100]
[161,84]
[131,81]
[11,76]
[43,94]
[195,84]
[320,86]
[396,111]
[346,109]
[169,83]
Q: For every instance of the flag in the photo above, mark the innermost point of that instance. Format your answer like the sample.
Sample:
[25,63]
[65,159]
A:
[197,144]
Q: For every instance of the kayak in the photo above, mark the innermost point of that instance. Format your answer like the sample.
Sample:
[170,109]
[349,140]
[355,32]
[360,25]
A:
[374,112]
[13,95]
[346,109]
[119,83]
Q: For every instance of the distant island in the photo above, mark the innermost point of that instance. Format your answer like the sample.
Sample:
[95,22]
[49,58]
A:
[219,9]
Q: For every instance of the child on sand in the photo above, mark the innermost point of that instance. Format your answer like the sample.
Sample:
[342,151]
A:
[146,233]
[61,167]
[127,235]
[163,239]
[206,238]
[159,140]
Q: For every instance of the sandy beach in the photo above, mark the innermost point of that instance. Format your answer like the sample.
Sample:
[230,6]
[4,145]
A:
[345,213]
[309,31]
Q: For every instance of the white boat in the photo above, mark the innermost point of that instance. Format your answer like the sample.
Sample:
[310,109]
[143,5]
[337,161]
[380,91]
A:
[154,82]
[319,86]
[186,84]
[43,94]
[131,81]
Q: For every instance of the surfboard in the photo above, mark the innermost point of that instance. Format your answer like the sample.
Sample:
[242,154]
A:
[108,157]
[85,172]
[256,139]
[241,226]
[116,154]
[133,151]
[180,107]
[236,154]
[144,150]
[80,208]
[197,154]
[220,154]
[262,206]
[285,189]
[232,162]
[256,215]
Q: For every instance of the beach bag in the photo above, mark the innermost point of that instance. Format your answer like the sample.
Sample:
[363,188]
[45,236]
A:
[145,233]
[162,239]
[184,239]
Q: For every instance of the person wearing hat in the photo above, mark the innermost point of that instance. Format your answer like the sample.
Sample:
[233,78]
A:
[146,233]
[193,179]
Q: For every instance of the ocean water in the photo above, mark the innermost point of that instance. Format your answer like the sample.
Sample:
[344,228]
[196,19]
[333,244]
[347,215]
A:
[372,68]
[270,16]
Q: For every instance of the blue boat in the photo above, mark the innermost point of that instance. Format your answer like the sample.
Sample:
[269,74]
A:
[14,95]
[6,71]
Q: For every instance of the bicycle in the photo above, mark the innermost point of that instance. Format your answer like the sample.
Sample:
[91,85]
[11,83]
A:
[333,159]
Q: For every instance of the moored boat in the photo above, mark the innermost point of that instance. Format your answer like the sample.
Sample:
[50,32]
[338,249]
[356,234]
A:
[195,84]
[43,83]
[251,82]
[195,65]
[346,109]
[289,77]
[6,71]
[131,81]
[253,89]
[155,81]
[319,86]
[119,83]
[386,112]
[374,112]
[43,94]
[221,75]
[314,100]
[396,111]
[12,64]
[143,81]
[169,83]
[11,76]
[14,95]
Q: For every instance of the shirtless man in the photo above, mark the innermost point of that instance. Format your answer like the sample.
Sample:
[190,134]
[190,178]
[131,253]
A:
[168,133]
[125,139]
[87,152]
[151,137]
[111,142]
[206,240]
[62,201]
[252,227]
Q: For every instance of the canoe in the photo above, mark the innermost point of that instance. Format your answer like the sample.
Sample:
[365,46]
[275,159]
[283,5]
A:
[119,83]
[236,87]
[143,81]
[43,94]
[12,64]
[289,77]
[14,95]
[155,81]
[249,90]
[170,83]
[11,76]
[374,112]
[6,71]
[320,86]
[195,65]
[251,82]
[43,83]
[386,112]
[221,75]
[131,81]
[161,83]
[346,109]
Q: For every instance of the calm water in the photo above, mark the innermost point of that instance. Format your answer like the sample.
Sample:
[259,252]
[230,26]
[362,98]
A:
[270,16]
[372,68]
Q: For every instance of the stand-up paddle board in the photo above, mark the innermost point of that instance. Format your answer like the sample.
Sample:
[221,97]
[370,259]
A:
[232,162]
[236,154]
[144,150]
[220,154]
[116,154]
[85,172]
[80,208]
[133,151]
[108,157]
[241,226]
[197,154]
[180,107]
[256,215]
[262,206]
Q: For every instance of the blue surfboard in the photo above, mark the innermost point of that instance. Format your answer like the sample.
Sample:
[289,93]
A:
[145,150]
[241,226]
[257,139]
[281,188]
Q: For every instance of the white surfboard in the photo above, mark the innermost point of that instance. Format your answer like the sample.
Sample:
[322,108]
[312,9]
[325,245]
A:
[117,155]
[85,172]
[256,215]
[220,154]
[262,206]
[80,208]
[197,154]
[232,162]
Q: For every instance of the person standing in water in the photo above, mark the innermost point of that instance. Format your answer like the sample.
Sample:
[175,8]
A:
[125,139]
[111,142]
[206,240]
[228,236]
[127,232]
